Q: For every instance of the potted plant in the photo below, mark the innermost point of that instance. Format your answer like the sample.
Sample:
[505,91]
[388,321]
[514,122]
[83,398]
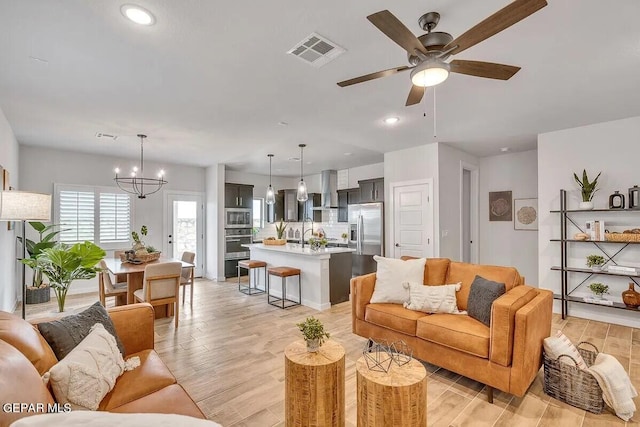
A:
[588,189]
[313,333]
[595,262]
[598,290]
[63,264]
[39,291]
[344,237]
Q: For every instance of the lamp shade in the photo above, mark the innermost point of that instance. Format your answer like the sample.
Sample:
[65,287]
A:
[430,73]
[24,206]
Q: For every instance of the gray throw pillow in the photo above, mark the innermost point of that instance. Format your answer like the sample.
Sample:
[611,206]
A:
[64,334]
[483,293]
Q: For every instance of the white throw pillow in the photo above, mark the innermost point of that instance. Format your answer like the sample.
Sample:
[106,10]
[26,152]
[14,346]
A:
[433,299]
[560,344]
[89,371]
[391,276]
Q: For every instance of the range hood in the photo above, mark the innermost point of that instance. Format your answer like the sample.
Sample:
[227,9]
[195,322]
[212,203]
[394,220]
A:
[329,190]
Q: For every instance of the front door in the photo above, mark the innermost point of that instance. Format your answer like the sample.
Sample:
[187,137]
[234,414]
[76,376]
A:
[185,227]
[412,221]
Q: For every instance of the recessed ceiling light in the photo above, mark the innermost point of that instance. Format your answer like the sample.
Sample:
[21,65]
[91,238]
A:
[348,154]
[138,14]
[294,159]
[504,149]
[391,120]
[283,123]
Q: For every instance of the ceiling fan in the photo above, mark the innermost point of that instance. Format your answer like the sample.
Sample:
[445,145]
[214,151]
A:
[427,53]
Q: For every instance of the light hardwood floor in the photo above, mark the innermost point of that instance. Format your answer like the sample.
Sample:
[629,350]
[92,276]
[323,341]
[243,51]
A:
[228,354]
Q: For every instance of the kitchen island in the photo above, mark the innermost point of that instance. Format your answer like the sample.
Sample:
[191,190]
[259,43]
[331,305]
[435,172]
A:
[325,273]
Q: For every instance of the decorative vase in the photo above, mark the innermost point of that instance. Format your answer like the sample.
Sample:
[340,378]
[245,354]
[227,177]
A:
[586,206]
[597,296]
[630,297]
[596,268]
[616,200]
[313,345]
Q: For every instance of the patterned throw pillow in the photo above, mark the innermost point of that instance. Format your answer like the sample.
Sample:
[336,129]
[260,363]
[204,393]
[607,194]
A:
[391,275]
[560,344]
[481,296]
[433,299]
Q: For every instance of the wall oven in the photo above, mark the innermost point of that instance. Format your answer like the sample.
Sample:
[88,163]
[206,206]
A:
[238,218]
[234,238]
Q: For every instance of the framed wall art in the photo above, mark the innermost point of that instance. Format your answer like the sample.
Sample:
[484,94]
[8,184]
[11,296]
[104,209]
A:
[500,206]
[526,214]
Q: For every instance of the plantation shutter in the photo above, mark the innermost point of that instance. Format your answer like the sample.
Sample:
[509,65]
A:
[115,218]
[76,216]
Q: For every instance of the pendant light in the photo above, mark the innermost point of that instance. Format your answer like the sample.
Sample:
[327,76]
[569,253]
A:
[302,195]
[271,197]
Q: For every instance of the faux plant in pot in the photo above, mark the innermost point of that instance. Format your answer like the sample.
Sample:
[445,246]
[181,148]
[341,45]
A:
[344,236]
[598,290]
[63,264]
[280,229]
[313,333]
[595,262]
[588,189]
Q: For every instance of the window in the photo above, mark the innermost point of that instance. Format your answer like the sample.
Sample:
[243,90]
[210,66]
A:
[258,218]
[100,215]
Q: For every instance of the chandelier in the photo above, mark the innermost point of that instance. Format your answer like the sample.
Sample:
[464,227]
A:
[136,183]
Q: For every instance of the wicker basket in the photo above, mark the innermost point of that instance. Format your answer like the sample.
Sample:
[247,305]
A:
[572,385]
[153,256]
[622,237]
[276,242]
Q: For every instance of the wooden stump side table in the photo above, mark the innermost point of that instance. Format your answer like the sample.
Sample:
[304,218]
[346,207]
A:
[314,385]
[394,398]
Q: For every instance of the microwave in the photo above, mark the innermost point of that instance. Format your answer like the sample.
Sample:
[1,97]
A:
[238,218]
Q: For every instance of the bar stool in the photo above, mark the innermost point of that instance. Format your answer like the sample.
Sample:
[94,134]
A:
[252,265]
[283,273]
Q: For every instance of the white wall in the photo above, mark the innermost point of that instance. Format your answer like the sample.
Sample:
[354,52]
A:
[450,185]
[214,236]
[9,274]
[417,163]
[500,244]
[612,148]
[41,167]
[354,175]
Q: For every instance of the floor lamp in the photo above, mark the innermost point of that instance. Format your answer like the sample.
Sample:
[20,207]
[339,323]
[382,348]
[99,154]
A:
[24,206]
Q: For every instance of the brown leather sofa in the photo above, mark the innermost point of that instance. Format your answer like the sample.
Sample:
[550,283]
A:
[507,355]
[25,356]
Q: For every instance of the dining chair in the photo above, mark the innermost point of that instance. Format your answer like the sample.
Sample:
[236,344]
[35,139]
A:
[107,287]
[116,255]
[161,286]
[186,278]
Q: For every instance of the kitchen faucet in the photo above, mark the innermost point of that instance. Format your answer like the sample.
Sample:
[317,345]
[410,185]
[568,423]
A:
[304,232]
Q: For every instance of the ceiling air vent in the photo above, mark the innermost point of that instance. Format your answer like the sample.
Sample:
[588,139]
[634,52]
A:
[106,135]
[316,50]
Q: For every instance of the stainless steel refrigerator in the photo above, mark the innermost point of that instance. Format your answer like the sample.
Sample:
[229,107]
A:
[366,236]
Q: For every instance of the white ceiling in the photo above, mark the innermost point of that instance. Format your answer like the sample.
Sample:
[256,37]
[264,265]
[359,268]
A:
[210,81]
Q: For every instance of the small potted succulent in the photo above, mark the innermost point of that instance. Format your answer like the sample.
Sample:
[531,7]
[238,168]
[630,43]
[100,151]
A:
[280,232]
[344,237]
[598,290]
[313,333]
[595,262]
[587,188]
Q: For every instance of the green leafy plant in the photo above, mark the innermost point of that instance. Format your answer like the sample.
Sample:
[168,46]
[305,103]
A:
[280,229]
[46,234]
[588,188]
[313,329]
[63,264]
[344,235]
[136,237]
[599,289]
[151,249]
[596,260]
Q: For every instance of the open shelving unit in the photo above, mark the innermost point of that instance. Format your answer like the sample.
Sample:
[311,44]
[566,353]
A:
[566,217]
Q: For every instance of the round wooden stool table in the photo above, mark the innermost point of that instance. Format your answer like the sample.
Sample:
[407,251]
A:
[394,398]
[314,385]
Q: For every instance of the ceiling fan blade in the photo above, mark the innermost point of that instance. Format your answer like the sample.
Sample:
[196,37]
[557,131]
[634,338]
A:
[386,22]
[489,70]
[415,95]
[373,76]
[504,18]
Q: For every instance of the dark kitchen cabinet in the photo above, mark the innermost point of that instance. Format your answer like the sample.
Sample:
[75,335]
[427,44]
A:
[275,212]
[238,196]
[346,197]
[371,190]
[305,209]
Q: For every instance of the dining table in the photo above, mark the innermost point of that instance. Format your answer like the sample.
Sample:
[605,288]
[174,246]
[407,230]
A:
[135,276]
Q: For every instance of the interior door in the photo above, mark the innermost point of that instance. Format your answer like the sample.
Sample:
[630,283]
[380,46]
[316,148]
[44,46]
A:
[185,232]
[412,221]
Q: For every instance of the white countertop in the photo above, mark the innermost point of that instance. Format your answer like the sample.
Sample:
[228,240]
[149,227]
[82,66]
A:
[296,249]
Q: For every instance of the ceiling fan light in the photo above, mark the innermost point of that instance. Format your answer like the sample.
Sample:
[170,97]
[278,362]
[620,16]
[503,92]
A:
[430,73]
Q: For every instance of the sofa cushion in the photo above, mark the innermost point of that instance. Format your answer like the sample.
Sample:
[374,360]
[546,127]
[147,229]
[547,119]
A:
[465,273]
[20,382]
[482,295]
[152,375]
[393,316]
[457,331]
[433,299]
[391,275]
[435,270]
[26,338]
[66,333]
[168,400]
